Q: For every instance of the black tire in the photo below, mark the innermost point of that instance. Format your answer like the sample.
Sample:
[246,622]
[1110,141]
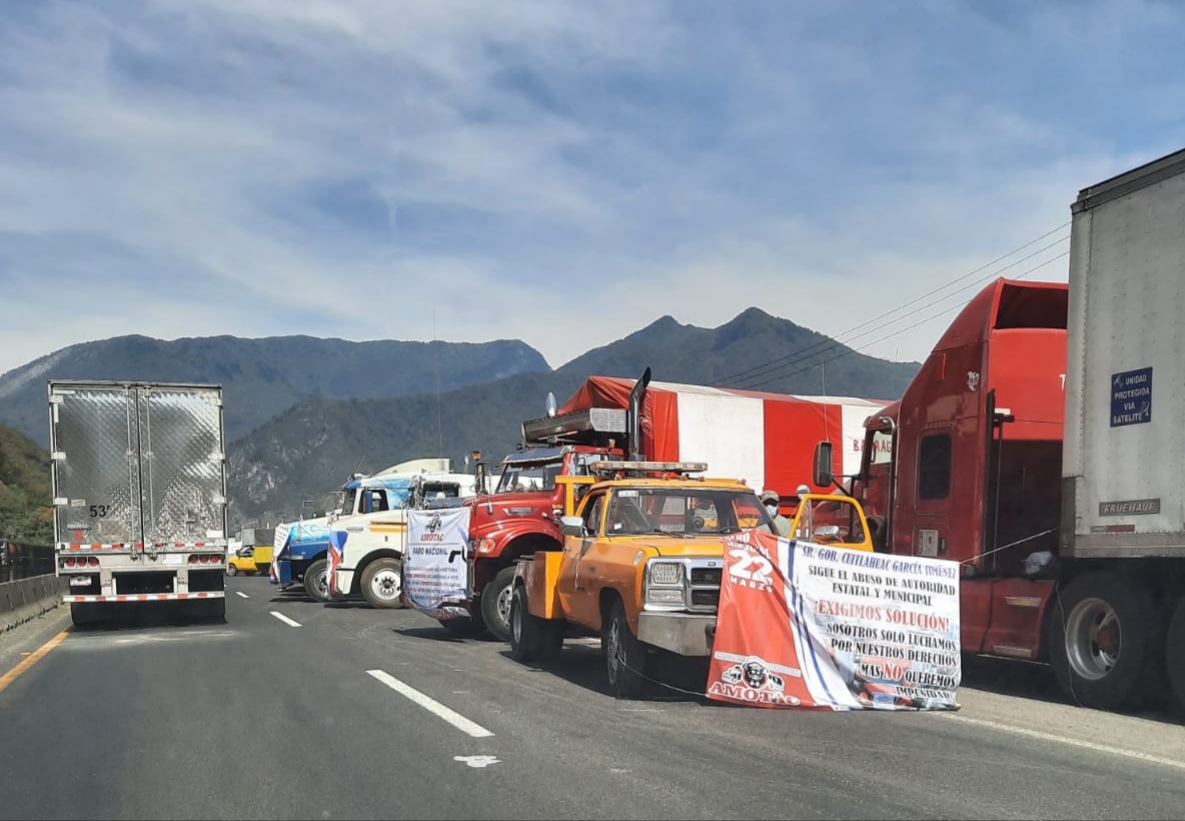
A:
[315,582]
[533,638]
[1104,641]
[214,609]
[1174,653]
[495,604]
[382,584]
[625,656]
[525,629]
[231,570]
[552,640]
[85,614]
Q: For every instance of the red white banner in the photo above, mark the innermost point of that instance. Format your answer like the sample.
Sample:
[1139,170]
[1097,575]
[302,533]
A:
[810,626]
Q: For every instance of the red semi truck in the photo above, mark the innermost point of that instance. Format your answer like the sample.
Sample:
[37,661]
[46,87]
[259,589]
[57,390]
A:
[1026,448]
[766,439]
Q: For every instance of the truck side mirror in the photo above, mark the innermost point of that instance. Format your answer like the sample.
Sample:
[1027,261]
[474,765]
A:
[571,525]
[823,476]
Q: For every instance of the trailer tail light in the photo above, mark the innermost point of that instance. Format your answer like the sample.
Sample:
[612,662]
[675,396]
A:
[70,562]
[93,561]
[204,558]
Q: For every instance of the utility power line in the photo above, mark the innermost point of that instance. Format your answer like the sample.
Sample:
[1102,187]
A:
[819,347]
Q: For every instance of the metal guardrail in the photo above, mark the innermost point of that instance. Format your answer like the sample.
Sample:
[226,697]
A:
[24,561]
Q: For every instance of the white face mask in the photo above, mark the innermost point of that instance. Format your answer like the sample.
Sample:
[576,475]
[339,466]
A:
[773,509]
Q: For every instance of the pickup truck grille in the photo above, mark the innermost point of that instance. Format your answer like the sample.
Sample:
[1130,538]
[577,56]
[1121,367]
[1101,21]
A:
[706,576]
[705,598]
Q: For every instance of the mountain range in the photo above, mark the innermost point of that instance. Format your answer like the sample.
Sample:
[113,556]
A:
[302,414]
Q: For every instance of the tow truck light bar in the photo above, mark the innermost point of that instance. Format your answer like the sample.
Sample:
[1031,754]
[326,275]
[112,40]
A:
[648,467]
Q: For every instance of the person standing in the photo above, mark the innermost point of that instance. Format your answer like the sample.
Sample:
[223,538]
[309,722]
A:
[770,499]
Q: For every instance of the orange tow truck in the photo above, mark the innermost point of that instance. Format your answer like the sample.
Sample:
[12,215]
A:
[642,563]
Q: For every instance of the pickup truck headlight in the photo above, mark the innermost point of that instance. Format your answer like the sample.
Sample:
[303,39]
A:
[666,573]
[664,584]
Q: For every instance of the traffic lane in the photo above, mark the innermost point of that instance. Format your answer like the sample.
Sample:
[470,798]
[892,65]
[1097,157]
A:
[582,757]
[236,720]
[1025,695]
[837,765]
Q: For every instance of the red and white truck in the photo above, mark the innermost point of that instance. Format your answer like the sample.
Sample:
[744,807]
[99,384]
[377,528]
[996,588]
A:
[1041,445]
[765,439]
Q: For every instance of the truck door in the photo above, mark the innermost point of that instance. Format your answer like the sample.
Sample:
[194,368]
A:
[96,479]
[572,584]
[181,465]
[933,498]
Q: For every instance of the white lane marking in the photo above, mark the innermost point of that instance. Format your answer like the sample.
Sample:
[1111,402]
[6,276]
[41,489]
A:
[241,593]
[1073,742]
[477,761]
[432,705]
[285,619]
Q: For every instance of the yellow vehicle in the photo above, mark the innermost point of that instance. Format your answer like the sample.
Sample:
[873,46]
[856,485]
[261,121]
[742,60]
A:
[642,563]
[249,559]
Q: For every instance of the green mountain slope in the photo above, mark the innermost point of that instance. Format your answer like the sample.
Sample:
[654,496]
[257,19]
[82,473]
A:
[307,452]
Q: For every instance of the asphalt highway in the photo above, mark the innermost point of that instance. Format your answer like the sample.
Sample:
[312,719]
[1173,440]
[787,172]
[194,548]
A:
[293,709]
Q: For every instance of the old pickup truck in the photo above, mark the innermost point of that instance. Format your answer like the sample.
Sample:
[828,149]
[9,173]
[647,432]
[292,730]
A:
[642,563]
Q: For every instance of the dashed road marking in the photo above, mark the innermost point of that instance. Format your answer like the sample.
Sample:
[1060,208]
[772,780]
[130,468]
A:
[432,705]
[477,761]
[285,619]
[242,594]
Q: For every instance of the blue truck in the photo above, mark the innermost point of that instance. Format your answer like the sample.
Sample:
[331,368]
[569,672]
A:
[300,557]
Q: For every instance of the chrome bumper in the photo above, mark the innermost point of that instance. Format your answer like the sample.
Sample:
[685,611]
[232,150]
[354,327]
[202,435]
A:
[682,633]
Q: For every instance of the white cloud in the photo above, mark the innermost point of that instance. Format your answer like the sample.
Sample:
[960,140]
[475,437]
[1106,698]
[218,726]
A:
[253,168]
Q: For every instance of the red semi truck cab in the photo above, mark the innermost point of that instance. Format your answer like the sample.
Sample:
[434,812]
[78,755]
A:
[967,465]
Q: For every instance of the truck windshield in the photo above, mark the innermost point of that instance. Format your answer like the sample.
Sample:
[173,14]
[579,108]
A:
[683,512]
[520,477]
[348,500]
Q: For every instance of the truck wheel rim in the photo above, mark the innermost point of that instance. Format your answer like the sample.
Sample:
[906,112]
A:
[322,583]
[1094,639]
[386,585]
[504,604]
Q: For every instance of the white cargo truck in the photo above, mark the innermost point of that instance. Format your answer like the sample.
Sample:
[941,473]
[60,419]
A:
[139,494]
[368,532]
[1121,617]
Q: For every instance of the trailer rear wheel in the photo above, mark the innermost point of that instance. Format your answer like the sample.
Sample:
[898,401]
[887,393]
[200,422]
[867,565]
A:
[84,614]
[382,584]
[1104,641]
[1174,653]
[316,583]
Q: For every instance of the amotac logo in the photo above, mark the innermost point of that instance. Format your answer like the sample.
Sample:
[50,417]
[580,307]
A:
[432,530]
[752,680]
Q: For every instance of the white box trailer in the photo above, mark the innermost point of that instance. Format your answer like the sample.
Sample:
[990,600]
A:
[139,487]
[1119,624]
[1124,447]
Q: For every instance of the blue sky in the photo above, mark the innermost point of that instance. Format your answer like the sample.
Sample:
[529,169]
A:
[558,172]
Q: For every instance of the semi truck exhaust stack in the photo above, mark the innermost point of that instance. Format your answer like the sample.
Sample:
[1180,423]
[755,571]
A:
[634,416]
